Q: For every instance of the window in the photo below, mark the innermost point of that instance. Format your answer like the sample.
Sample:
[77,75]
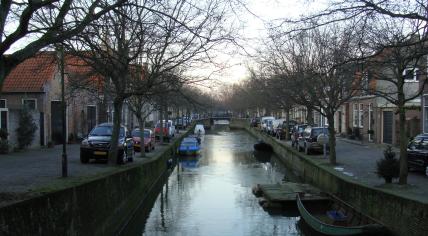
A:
[3,103]
[29,103]
[360,116]
[355,115]
[411,75]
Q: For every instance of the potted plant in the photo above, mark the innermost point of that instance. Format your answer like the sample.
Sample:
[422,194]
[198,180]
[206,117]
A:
[370,131]
[388,167]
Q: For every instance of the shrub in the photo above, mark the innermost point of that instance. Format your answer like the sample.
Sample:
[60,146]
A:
[3,134]
[26,130]
[388,167]
[4,146]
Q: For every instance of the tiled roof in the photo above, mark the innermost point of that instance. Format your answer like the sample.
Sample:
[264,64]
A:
[31,75]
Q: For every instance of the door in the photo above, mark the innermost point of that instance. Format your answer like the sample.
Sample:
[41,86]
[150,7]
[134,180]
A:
[56,122]
[91,117]
[387,126]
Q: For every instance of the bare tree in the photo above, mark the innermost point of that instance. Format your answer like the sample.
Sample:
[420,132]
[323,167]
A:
[316,70]
[38,24]
[392,37]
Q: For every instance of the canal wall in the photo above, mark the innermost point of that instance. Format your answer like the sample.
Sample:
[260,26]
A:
[100,206]
[401,214]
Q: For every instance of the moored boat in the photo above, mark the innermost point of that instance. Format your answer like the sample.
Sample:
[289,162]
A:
[262,146]
[337,218]
[189,146]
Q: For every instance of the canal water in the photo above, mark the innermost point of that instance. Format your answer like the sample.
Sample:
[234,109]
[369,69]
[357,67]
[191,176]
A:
[211,194]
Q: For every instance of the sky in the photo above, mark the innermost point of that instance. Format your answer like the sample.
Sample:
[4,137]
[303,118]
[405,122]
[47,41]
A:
[259,13]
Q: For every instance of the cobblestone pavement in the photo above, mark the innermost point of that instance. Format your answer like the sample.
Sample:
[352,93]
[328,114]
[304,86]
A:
[28,170]
[358,162]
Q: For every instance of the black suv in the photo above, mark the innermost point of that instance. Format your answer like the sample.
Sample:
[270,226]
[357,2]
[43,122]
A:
[310,140]
[417,153]
[97,144]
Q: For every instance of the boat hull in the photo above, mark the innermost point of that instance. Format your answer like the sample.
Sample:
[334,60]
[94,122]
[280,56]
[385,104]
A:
[330,229]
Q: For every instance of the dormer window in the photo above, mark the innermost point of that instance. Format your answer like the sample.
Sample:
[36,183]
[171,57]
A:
[411,75]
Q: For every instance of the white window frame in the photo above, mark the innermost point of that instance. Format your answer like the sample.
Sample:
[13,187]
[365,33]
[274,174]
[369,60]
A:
[33,99]
[360,115]
[415,74]
[5,104]
[355,115]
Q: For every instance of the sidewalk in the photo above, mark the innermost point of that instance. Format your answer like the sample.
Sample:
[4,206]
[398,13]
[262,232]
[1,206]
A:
[358,162]
[24,173]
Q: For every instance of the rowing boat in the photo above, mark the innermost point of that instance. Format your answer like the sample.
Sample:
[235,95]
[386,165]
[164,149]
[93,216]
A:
[337,218]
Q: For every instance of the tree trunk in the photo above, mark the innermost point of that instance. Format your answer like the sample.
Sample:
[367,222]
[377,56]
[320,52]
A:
[403,146]
[310,116]
[287,133]
[161,125]
[113,152]
[331,139]
[142,124]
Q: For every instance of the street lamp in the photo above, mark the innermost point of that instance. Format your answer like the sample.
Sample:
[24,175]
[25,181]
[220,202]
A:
[64,168]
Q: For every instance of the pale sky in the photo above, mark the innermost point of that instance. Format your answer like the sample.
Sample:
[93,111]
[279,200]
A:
[254,29]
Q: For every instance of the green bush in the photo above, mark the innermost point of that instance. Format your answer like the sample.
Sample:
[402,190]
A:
[26,130]
[388,167]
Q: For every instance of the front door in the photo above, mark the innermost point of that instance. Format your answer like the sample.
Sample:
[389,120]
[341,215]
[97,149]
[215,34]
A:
[56,122]
[387,126]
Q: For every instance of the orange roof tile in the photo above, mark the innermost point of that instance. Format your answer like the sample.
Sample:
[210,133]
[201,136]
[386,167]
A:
[31,74]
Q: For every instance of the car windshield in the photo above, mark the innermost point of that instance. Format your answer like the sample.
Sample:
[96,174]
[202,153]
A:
[419,143]
[317,132]
[105,131]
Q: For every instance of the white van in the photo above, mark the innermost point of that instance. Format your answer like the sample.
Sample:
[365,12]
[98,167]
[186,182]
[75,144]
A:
[264,122]
[199,129]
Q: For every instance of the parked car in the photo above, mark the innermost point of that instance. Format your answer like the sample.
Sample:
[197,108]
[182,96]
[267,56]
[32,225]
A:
[417,153]
[168,130]
[280,133]
[297,134]
[97,144]
[265,121]
[255,122]
[276,126]
[311,140]
[181,122]
[149,140]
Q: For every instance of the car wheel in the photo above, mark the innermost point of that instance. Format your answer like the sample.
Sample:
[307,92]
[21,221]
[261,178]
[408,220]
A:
[153,147]
[84,158]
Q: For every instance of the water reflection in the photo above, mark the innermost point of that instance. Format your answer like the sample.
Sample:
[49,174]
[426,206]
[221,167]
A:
[211,194]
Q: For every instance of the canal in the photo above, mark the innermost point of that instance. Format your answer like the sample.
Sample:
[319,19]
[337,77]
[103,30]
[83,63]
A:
[211,194]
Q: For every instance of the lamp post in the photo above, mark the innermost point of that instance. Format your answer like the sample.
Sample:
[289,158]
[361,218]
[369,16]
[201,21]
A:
[63,117]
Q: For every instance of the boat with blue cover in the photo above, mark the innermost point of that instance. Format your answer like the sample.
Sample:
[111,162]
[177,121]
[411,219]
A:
[337,217]
[189,146]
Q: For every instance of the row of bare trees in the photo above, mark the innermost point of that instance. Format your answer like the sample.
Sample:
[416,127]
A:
[320,60]
[141,49]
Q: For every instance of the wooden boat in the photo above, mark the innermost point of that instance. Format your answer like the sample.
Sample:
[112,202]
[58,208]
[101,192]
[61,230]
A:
[337,218]
[262,146]
[189,146]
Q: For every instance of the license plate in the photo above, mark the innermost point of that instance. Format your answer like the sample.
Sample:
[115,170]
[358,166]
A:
[137,145]
[100,153]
